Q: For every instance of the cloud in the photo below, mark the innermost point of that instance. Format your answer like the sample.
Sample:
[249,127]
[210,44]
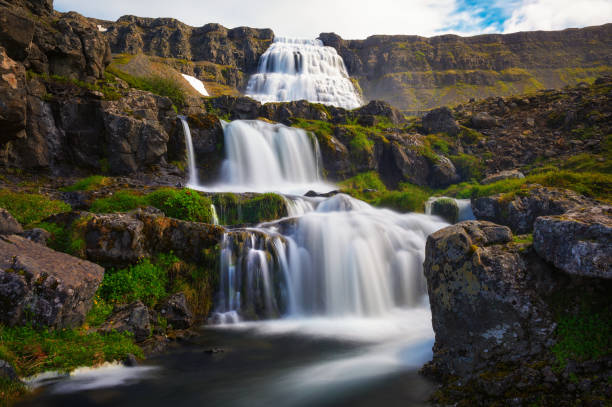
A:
[360,18]
[558,14]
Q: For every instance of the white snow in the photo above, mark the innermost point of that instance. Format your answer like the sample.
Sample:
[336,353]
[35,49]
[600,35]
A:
[196,84]
[102,29]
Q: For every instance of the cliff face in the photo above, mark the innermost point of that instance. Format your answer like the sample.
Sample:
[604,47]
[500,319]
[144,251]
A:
[417,73]
[235,51]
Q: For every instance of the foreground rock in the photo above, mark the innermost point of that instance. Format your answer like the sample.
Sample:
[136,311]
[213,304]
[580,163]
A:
[42,286]
[519,210]
[579,242]
[177,312]
[134,318]
[8,224]
[484,307]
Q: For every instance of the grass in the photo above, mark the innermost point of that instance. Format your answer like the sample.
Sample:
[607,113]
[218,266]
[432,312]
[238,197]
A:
[154,84]
[145,282]
[120,201]
[68,239]
[105,86]
[30,208]
[88,184]
[368,187]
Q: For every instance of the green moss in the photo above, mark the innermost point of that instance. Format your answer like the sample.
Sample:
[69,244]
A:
[30,208]
[120,201]
[88,184]
[523,239]
[145,282]
[184,204]
[233,209]
[469,167]
[105,86]
[67,239]
[33,351]
[154,84]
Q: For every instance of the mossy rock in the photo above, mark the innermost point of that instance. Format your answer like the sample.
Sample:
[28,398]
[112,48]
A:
[447,209]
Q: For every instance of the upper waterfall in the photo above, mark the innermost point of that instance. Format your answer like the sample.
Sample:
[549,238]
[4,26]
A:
[296,69]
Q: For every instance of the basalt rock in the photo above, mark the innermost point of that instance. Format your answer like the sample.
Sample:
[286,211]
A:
[519,211]
[177,312]
[578,242]
[41,286]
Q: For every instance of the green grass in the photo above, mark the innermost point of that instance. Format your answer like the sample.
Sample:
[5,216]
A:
[368,187]
[145,282]
[33,351]
[88,184]
[120,201]
[468,167]
[523,239]
[105,86]
[30,208]
[155,84]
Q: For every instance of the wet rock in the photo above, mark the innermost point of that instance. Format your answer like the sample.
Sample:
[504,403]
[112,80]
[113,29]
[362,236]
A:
[578,242]
[503,175]
[446,208]
[134,318]
[484,308]
[177,312]
[42,286]
[483,120]
[520,210]
[8,224]
[440,120]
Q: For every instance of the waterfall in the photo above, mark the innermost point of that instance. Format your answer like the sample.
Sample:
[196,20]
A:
[294,69]
[193,173]
[342,259]
[215,217]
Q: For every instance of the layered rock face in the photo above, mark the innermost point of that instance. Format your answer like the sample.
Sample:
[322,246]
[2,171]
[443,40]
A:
[416,73]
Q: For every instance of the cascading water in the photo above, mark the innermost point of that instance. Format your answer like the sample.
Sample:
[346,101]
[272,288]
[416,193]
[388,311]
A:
[191,163]
[296,69]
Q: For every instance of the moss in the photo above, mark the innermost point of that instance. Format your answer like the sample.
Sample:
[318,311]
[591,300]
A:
[67,238]
[120,201]
[233,209]
[30,208]
[154,84]
[145,281]
[105,86]
[184,204]
[469,167]
[89,184]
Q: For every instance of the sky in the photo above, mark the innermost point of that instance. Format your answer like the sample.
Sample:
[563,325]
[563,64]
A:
[358,19]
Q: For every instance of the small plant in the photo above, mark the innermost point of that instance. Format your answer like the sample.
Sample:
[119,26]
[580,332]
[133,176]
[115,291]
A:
[145,282]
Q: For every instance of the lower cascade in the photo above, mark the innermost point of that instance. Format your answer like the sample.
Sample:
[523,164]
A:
[296,69]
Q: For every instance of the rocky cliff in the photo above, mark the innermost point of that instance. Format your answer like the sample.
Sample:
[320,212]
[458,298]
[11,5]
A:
[417,73]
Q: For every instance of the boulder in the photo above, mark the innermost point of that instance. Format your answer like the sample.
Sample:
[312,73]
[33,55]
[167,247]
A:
[503,175]
[440,120]
[446,208]
[483,120]
[366,115]
[519,210]
[134,317]
[485,310]
[37,235]
[578,242]
[42,286]
[442,173]
[8,224]
[177,312]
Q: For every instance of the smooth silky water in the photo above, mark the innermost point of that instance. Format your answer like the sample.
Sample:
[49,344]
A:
[326,307]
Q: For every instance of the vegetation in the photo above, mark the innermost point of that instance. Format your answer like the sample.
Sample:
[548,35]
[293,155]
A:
[67,238]
[30,208]
[154,84]
[145,282]
[368,187]
[234,209]
[88,184]
[104,86]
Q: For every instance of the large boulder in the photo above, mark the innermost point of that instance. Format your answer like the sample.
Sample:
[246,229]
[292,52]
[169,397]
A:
[519,210]
[579,242]
[8,224]
[177,312]
[485,310]
[134,318]
[41,286]
[440,120]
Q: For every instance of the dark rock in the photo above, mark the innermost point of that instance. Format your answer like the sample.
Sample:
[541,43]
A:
[13,103]
[503,175]
[42,286]
[440,120]
[37,235]
[443,173]
[445,208]
[8,224]
[578,242]
[484,308]
[134,318]
[177,312]
[519,211]
[483,120]
[130,361]
[313,194]
[378,108]
[7,371]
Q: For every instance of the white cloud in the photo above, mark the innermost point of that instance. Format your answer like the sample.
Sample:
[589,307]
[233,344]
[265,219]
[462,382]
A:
[558,14]
[354,18]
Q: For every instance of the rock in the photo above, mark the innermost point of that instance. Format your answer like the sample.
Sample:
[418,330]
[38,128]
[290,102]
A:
[177,312]
[440,120]
[442,173]
[37,235]
[42,286]
[366,115]
[13,103]
[485,310]
[238,108]
[483,120]
[7,371]
[578,242]
[8,224]
[130,361]
[520,210]
[134,318]
[446,208]
[503,175]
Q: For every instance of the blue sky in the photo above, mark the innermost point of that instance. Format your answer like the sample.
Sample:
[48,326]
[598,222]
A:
[362,18]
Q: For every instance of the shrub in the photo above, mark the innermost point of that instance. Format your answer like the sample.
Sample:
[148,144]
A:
[145,282]
[30,208]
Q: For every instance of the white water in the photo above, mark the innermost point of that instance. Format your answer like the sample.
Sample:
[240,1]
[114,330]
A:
[191,162]
[295,69]
[197,84]
[464,205]
[264,157]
